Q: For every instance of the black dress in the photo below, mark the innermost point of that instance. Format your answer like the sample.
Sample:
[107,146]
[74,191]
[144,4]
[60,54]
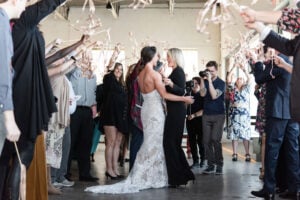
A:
[115,104]
[179,172]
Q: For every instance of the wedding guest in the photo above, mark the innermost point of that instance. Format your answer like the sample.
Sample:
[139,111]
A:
[114,118]
[84,85]
[179,172]
[32,97]
[239,113]
[59,64]
[135,122]
[212,88]
[8,127]
[194,125]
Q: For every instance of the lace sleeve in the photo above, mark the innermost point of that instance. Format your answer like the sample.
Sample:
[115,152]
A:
[290,20]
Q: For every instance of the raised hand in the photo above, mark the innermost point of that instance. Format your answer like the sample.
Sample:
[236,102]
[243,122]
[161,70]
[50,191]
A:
[280,62]
[248,14]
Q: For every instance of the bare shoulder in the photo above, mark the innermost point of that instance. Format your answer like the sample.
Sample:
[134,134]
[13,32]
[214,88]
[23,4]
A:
[156,76]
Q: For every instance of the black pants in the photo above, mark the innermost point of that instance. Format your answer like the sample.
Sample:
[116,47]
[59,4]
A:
[10,175]
[281,176]
[81,139]
[179,172]
[195,133]
[281,131]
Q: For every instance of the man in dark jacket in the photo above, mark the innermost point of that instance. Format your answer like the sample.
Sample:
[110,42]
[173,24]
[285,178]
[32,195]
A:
[280,128]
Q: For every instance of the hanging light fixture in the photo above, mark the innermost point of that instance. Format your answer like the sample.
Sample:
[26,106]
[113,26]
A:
[108,5]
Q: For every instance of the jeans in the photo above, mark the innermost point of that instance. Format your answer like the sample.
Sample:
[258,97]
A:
[136,142]
[59,174]
[212,135]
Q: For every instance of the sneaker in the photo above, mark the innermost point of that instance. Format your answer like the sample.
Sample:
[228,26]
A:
[202,163]
[209,170]
[219,170]
[195,165]
[64,183]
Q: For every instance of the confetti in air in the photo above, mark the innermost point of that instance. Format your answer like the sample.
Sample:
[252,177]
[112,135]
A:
[140,3]
[224,18]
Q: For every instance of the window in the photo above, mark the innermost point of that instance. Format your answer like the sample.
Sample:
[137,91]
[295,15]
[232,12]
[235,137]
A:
[101,59]
[191,63]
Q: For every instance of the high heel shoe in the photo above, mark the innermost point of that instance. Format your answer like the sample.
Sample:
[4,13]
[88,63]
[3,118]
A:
[248,158]
[110,176]
[120,176]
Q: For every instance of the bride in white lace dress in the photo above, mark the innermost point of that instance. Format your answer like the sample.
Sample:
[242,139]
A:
[149,170]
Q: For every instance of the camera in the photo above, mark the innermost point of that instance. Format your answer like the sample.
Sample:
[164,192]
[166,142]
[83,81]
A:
[189,85]
[204,73]
[158,66]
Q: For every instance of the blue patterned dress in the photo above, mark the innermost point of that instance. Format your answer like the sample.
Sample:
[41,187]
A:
[239,114]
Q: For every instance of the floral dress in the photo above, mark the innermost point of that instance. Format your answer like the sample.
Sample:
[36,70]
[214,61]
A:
[239,114]
[260,93]
[290,20]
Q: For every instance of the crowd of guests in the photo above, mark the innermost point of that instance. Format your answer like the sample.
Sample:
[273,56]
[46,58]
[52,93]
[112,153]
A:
[53,112]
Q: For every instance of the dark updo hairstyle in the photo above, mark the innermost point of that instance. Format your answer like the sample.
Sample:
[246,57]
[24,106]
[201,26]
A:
[147,55]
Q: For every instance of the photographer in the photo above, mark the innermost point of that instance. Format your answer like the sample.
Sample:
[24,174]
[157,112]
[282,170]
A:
[212,88]
[194,123]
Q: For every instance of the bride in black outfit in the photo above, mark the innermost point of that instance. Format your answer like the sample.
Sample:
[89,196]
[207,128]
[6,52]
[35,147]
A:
[179,172]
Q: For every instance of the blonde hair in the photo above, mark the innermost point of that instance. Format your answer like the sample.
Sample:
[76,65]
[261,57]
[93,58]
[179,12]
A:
[176,55]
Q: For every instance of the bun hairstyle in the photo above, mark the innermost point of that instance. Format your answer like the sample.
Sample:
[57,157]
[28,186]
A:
[147,55]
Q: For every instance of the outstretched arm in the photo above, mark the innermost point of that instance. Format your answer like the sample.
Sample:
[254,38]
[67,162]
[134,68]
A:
[249,15]
[114,57]
[230,75]
[35,13]
[242,67]
[64,52]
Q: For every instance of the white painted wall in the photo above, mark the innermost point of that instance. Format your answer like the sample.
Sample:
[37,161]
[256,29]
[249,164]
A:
[179,30]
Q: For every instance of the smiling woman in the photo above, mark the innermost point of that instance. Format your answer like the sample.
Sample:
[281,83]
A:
[114,117]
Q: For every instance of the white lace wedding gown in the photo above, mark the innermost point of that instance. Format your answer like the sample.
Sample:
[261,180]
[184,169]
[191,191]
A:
[149,170]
